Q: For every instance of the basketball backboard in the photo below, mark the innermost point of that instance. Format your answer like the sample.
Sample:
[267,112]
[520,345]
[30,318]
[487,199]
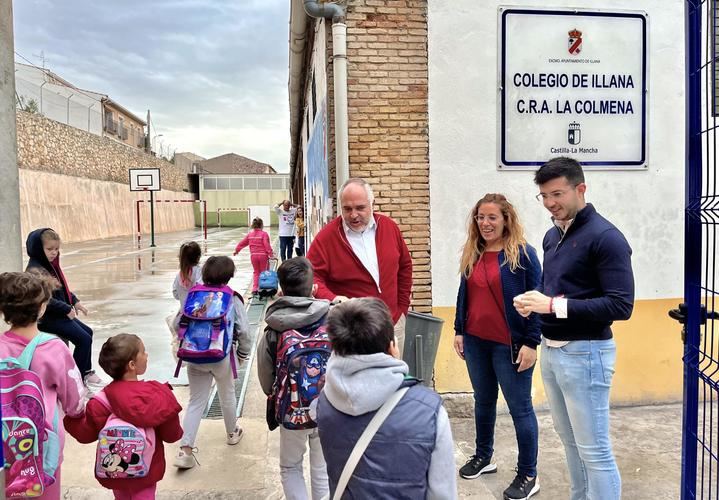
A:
[144,179]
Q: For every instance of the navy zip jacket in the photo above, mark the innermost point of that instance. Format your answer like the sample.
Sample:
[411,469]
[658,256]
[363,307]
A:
[590,265]
[524,331]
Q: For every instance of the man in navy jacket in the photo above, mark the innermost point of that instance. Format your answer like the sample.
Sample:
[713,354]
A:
[587,284]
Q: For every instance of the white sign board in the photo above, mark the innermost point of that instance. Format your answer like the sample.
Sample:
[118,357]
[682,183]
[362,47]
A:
[572,83]
[144,179]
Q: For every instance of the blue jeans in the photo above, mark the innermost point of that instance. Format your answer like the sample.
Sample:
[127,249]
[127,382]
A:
[286,244]
[577,378]
[489,365]
[76,332]
[300,249]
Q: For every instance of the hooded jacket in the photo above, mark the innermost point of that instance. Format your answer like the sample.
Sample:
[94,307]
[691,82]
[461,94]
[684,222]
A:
[62,299]
[412,454]
[286,313]
[143,404]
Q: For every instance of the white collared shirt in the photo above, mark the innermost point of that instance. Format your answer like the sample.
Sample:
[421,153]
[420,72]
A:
[364,247]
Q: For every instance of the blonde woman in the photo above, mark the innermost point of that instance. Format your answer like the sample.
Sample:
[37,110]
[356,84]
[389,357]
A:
[497,344]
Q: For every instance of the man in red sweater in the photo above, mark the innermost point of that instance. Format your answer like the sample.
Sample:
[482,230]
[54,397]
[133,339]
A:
[363,254]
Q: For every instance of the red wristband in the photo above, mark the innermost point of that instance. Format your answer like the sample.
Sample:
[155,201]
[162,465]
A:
[551,305]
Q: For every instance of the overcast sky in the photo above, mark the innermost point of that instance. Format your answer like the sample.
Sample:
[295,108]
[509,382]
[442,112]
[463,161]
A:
[213,73]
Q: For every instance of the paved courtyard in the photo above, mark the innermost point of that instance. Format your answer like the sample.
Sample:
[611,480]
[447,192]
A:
[128,289]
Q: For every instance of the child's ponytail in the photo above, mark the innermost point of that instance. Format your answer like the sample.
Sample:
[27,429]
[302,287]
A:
[190,254]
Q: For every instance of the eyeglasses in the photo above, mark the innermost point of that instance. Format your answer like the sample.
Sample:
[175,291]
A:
[554,195]
[490,218]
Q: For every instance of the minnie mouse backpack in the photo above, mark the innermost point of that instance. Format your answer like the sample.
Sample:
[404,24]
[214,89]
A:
[124,451]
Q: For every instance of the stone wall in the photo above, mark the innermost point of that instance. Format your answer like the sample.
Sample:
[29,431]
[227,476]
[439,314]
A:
[77,183]
[51,146]
[388,119]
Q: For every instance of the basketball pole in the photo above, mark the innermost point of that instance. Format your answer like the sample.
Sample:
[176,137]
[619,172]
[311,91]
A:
[152,218]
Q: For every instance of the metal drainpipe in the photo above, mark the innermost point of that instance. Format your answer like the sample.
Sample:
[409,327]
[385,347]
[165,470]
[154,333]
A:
[339,65]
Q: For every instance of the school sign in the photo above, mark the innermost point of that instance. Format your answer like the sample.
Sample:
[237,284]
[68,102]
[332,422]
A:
[572,83]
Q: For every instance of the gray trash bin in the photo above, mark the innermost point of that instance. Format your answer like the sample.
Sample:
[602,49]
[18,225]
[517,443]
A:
[421,340]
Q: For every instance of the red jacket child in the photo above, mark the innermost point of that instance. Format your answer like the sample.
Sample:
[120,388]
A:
[143,404]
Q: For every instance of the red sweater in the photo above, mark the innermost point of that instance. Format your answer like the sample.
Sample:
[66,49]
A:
[338,271]
[485,305]
[144,404]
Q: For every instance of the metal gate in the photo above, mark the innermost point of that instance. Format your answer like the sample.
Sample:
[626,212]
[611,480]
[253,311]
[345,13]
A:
[700,446]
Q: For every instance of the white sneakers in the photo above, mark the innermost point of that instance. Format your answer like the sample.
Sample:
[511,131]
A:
[185,460]
[235,436]
[92,378]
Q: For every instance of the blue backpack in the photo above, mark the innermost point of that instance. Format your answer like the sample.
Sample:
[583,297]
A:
[268,283]
[206,327]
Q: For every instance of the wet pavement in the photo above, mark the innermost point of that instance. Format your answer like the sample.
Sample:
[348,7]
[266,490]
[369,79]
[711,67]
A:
[127,287]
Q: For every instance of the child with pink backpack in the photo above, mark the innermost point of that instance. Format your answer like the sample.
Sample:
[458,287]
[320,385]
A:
[260,251]
[37,376]
[130,419]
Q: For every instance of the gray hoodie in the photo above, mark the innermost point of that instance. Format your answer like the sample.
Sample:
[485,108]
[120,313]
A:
[359,384]
[286,313]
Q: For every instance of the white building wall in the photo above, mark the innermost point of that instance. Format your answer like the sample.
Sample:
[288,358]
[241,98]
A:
[646,205]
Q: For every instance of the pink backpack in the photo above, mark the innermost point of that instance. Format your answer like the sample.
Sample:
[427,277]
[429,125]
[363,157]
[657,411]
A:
[124,451]
[31,447]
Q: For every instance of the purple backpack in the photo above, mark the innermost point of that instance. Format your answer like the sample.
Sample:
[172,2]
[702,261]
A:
[31,447]
[206,327]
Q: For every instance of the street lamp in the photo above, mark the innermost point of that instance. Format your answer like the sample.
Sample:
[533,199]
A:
[153,141]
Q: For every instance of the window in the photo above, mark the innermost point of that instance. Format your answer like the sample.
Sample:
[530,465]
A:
[236,183]
[250,183]
[209,183]
[264,183]
[278,183]
[223,183]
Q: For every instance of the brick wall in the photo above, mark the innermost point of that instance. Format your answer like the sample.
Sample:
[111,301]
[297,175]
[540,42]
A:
[388,119]
[54,147]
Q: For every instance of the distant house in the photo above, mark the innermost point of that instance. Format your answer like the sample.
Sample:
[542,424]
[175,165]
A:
[185,160]
[232,163]
[54,97]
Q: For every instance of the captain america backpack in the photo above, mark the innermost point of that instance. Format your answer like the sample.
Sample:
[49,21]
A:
[30,446]
[301,362]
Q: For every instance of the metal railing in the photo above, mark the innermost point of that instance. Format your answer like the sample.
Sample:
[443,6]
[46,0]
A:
[700,443]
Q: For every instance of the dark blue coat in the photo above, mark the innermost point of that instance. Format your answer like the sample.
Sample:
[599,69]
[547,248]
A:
[61,302]
[524,331]
[396,462]
[591,266]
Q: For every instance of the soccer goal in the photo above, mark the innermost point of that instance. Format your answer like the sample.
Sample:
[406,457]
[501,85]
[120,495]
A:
[203,214]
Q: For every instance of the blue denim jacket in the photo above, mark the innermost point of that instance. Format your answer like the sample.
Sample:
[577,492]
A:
[524,331]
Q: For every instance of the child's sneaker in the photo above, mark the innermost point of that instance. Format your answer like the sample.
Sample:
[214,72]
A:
[93,379]
[185,460]
[235,436]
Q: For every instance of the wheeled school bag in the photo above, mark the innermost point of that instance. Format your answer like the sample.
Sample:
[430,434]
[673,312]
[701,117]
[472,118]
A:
[31,448]
[301,362]
[205,329]
[268,282]
[124,451]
